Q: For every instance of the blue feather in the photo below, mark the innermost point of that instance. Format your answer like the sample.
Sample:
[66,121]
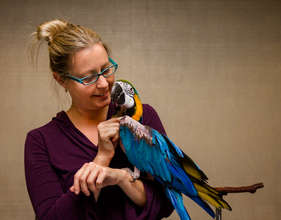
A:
[176,200]
[181,181]
[204,205]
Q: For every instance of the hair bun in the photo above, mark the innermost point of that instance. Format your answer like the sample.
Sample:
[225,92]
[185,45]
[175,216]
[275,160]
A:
[47,31]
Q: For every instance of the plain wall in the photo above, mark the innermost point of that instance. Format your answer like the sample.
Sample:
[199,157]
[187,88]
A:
[211,68]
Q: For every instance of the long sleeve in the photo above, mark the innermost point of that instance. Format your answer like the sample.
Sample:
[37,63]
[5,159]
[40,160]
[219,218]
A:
[44,186]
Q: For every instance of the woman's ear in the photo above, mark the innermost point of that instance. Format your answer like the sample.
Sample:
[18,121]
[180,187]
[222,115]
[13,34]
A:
[59,79]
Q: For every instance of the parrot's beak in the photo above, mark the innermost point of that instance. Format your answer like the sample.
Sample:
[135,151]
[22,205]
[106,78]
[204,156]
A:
[117,94]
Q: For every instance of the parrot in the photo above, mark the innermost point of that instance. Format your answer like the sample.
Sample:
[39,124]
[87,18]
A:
[154,153]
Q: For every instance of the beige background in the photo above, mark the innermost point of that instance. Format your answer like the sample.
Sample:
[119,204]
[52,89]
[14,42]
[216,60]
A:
[211,68]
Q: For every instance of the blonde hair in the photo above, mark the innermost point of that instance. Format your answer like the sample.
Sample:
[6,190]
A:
[64,39]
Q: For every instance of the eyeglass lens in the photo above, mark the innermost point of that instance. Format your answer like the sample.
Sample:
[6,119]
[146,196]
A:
[94,77]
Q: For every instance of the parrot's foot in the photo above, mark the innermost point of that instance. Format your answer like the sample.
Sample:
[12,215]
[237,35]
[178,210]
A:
[135,175]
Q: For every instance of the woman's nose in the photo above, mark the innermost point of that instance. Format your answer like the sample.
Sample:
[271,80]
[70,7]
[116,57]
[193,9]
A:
[101,82]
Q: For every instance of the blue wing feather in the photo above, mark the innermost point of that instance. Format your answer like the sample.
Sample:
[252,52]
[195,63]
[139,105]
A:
[144,157]
[181,182]
[177,202]
[162,160]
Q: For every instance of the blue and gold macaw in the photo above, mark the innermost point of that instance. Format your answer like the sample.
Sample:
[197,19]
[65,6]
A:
[156,154]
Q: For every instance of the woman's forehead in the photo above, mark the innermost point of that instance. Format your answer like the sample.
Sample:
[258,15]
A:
[88,59]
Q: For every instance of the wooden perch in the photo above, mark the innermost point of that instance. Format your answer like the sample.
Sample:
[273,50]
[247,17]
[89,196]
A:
[239,189]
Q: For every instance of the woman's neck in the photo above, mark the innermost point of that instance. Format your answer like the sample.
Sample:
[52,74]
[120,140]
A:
[82,117]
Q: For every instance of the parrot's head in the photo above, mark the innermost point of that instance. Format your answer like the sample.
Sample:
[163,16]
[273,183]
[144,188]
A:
[126,99]
[122,94]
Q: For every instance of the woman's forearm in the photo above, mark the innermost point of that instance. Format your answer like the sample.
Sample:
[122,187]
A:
[133,189]
[103,159]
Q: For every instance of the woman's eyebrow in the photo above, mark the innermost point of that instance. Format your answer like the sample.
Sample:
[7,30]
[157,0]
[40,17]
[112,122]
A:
[88,72]
[106,65]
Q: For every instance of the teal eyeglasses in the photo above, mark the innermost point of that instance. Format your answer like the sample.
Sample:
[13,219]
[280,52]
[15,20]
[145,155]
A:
[91,79]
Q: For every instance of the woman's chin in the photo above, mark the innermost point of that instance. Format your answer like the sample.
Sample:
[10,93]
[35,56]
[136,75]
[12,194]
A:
[103,102]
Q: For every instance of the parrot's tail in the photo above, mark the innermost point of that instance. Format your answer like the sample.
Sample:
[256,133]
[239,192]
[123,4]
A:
[212,196]
[176,199]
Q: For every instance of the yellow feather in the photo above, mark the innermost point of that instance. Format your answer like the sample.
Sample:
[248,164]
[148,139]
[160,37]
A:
[139,110]
[191,171]
[207,189]
[211,196]
[209,199]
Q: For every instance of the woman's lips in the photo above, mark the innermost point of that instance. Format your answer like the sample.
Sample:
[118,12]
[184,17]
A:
[102,95]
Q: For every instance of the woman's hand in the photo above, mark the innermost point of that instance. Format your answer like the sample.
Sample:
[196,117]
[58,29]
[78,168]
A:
[108,134]
[93,177]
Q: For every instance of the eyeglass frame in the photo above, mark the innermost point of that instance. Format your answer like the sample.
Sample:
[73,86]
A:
[80,80]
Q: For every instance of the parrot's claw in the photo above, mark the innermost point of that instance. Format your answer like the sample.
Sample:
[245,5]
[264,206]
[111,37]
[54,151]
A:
[135,175]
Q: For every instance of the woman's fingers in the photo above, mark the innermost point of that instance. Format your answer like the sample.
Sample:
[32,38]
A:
[107,131]
[83,180]
[71,188]
[76,181]
[108,134]
[93,177]
[79,183]
[116,136]
[109,127]
[91,180]
[100,179]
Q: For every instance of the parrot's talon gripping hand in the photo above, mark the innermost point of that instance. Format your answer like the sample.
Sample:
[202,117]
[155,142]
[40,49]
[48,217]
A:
[135,175]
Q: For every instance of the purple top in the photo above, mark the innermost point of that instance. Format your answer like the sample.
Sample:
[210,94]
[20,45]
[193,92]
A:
[54,153]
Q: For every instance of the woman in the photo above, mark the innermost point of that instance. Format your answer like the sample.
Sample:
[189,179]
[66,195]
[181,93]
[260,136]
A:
[73,164]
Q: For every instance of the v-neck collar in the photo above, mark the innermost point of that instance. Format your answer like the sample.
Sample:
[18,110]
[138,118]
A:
[63,118]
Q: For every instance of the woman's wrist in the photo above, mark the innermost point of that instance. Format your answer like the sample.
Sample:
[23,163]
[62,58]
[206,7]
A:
[124,178]
[103,159]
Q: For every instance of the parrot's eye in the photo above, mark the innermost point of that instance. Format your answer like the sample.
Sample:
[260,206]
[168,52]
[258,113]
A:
[129,90]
